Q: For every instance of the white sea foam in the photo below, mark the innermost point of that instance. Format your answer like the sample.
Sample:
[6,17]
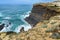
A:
[17,30]
[28,12]
[26,28]
[7,18]
[5,21]
[6,29]
[26,25]
[1,15]
[25,14]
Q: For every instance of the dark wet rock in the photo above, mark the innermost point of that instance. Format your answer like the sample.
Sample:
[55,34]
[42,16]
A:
[40,13]
[2,26]
[8,24]
[22,29]
[10,32]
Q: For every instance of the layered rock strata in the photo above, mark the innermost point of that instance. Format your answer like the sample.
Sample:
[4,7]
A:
[41,12]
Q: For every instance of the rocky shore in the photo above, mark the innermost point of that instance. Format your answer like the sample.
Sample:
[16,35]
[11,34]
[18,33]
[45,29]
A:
[46,25]
[46,30]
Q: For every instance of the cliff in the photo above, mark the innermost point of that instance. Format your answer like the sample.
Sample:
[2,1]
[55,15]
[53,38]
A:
[46,30]
[41,12]
[46,25]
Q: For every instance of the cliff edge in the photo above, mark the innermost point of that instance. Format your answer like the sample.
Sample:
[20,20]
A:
[41,12]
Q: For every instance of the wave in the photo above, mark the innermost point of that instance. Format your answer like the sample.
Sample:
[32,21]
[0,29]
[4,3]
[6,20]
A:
[3,11]
[26,26]
[1,14]
[6,29]
[26,14]
[7,18]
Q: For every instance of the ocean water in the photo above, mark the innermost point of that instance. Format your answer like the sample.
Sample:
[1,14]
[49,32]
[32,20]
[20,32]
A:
[14,14]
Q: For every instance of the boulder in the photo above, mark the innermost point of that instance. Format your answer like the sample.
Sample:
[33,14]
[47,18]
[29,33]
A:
[22,29]
[2,26]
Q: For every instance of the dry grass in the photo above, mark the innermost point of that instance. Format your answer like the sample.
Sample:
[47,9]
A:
[36,33]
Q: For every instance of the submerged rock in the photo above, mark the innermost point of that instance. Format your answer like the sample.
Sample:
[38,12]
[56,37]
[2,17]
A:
[2,26]
[8,24]
[22,29]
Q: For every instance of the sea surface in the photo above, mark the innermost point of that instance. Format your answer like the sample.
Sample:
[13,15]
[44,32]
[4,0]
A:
[15,15]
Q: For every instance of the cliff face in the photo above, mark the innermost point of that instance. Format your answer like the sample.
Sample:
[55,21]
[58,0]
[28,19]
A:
[40,13]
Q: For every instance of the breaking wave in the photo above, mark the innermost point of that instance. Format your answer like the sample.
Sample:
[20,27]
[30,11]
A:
[17,29]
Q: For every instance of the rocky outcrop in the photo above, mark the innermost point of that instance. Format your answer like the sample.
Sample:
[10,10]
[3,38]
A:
[22,29]
[2,26]
[39,13]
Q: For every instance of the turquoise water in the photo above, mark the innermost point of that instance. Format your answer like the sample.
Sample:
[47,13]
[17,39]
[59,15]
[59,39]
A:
[14,14]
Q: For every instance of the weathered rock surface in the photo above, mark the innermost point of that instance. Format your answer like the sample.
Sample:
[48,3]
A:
[39,13]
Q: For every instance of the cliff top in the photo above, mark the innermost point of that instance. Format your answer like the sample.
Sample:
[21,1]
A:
[49,5]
